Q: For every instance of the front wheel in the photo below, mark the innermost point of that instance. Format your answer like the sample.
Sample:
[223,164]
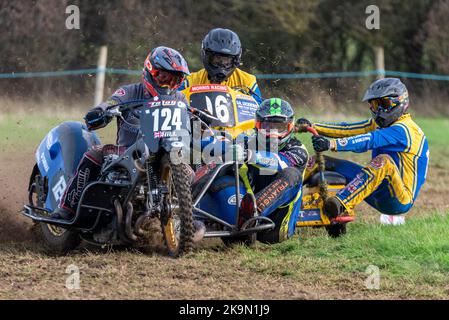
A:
[177,216]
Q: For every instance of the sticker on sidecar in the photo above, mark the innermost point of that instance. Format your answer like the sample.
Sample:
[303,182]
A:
[246,109]
[59,189]
[310,215]
[232,200]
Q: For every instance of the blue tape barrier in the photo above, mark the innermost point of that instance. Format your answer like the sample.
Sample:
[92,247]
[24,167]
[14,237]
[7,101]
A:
[323,75]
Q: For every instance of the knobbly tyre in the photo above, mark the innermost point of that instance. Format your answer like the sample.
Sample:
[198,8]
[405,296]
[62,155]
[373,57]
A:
[141,183]
[317,187]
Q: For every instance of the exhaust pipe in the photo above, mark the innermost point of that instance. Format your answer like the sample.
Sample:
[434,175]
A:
[119,213]
[128,221]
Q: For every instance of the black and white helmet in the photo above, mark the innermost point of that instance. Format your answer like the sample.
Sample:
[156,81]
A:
[221,53]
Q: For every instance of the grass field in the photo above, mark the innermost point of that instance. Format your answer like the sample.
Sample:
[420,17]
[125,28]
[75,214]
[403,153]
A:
[413,259]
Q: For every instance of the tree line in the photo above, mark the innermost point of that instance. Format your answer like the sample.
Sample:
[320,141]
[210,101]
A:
[284,36]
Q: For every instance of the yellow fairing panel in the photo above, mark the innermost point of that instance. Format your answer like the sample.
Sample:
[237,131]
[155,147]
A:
[235,110]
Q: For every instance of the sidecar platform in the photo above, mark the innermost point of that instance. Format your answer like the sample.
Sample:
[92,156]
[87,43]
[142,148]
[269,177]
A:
[90,208]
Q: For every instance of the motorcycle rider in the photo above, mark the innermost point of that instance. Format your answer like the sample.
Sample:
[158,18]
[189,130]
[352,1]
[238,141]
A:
[392,180]
[277,175]
[163,72]
[221,54]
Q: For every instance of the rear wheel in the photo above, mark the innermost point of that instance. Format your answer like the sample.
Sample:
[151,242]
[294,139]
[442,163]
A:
[336,229]
[177,217]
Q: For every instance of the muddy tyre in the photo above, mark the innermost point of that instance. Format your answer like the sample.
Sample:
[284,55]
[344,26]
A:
[58,240]
[177,216]
[336,229]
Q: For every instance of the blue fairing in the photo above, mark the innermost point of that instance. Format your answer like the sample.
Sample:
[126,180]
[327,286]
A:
[58,156]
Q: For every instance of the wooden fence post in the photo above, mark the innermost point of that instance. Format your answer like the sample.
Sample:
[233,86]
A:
[101,75]
[380,61]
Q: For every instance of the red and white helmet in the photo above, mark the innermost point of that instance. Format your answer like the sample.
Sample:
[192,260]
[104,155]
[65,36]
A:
[164,71]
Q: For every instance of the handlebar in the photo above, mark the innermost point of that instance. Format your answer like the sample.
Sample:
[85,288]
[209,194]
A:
[312,131]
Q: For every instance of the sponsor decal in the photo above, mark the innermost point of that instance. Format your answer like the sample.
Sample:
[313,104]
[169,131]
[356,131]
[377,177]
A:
[164,134]
[59,188]
[354,184]
[44,162]
[377,162]
[49,140]
[209,87]
[246,109]
[271,193]
[266,161]
[153,104]
[120,92]
[343,142]
[310,215]
[361,139]
[167,103]
[232,200]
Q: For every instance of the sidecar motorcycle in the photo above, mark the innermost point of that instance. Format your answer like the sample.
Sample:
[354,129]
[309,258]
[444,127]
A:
[133,187]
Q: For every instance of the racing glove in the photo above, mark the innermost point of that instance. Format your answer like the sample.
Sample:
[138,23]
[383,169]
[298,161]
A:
[302,124]
[96,119]
[321,144]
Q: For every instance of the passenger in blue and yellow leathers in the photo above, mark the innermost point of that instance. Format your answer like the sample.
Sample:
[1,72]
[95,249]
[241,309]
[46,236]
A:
[392,180]
[221,54]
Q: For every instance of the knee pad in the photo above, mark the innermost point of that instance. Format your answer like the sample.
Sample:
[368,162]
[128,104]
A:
[292,175]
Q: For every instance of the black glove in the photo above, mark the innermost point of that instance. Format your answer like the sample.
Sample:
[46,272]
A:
[302,124]
[320,143]
[96,118]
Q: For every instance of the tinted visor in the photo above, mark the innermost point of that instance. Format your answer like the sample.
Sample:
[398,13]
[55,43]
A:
[385,104]
[168,79]
[220,60]
[274,128]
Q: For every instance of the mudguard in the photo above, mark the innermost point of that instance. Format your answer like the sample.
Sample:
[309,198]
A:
[58,156]
[221,199]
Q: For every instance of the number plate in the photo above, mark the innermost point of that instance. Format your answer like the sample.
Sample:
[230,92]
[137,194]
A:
[166,120]
[219,104]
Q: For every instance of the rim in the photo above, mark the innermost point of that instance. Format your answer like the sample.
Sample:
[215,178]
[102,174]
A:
[172,229]
[56,231]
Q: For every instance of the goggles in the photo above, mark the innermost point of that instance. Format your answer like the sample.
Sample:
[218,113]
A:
[221,61]
[275,129]
[385,104]
[168,79]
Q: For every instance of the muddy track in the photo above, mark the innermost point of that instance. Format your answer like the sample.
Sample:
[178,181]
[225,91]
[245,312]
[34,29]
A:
[14,174]
[27,272]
